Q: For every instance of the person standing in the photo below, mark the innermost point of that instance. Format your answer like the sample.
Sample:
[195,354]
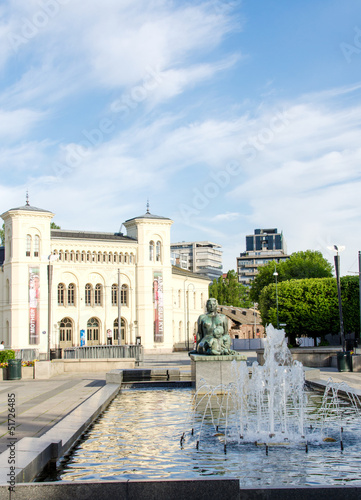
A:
[2,345]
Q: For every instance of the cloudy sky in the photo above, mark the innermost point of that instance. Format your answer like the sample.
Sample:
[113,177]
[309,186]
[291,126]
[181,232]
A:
[228,115]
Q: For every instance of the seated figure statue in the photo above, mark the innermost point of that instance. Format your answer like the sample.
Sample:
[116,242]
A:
[212,335]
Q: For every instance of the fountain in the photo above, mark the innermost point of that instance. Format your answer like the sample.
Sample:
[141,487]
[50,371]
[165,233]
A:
[268,405]
[262,428]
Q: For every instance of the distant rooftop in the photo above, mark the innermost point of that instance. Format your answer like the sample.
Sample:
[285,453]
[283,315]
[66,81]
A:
[88,235]
[197,243]
[29,208]
[148,215]
[189,274]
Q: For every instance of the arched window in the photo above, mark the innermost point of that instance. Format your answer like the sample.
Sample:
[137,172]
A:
[28,245]
[94,258]
[116,329]
[61,294]
[151,250]
[71,294]
[66,255]
[77,256]
[88,294]
[83,256]
[92,331]
[36,246]
[111,258]
[104,256]
[124,295]
[61,255]
[72,256]
[98,295]
[116,258]
[158,254]
[88,257]
[66,332]
[114,295]
[126,258]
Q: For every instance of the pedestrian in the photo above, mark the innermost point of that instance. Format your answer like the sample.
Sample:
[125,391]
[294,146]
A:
[2,345]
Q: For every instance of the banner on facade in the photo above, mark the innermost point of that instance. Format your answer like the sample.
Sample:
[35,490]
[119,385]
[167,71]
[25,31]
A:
[158,307]
[34,303]
[82,338]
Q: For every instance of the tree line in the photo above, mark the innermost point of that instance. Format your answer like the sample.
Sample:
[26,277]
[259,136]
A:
[306,295]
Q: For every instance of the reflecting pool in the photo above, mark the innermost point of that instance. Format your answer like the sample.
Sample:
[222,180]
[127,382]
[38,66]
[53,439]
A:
[138,437]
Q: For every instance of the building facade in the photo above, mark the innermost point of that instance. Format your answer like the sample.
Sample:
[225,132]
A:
[61,288]
[262,247]
[201,257]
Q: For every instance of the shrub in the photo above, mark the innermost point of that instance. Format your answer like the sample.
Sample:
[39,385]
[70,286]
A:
[6,354]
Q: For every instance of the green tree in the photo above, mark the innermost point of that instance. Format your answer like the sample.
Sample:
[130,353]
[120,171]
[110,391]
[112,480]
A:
[300,265]
[2,235]
[310,306]
[229,292]
[54,226]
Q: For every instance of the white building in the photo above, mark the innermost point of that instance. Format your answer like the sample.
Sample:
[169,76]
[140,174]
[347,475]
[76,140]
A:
[68,282]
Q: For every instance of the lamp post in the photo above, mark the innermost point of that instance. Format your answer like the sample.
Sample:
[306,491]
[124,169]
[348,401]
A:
[337,269]
[51,259]
[359,284]
[275,274]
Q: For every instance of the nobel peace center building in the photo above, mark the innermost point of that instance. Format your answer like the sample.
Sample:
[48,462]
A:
[66,288]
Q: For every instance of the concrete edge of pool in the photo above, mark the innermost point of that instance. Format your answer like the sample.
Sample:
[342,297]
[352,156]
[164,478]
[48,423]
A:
[200,489]
[33,454]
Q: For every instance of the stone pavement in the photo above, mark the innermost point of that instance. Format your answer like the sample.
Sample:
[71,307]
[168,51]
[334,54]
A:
[40,404]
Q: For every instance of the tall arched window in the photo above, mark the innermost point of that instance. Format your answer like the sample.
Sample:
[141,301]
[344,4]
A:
[66,332]
[71,294]
[92,331]
[116,330]
[151,250]
[158,252]
[28,245]
[114,295]
[61,294]
[124,295]
[88,294]
[98,295]
[36,246]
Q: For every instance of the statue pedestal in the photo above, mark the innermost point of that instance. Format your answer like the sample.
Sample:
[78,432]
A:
[213,370]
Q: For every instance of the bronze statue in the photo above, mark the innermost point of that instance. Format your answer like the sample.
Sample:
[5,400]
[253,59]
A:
[212,336]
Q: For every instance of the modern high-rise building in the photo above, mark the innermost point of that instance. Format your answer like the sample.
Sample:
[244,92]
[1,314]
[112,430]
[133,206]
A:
[262,247]
[201,257]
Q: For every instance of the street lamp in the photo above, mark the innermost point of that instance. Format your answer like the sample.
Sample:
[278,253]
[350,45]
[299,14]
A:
[338,249]
[51,259]
[275,274]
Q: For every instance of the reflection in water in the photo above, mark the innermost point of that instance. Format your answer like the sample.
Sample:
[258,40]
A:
[138,437]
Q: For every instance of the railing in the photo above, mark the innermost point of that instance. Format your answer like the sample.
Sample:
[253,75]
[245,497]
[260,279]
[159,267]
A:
[26,354]
[104,351]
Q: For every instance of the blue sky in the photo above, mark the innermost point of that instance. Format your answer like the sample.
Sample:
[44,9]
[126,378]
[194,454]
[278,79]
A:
[227,115]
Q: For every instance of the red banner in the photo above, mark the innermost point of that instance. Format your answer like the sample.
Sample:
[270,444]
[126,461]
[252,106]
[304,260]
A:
[158,307]
[34,299]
